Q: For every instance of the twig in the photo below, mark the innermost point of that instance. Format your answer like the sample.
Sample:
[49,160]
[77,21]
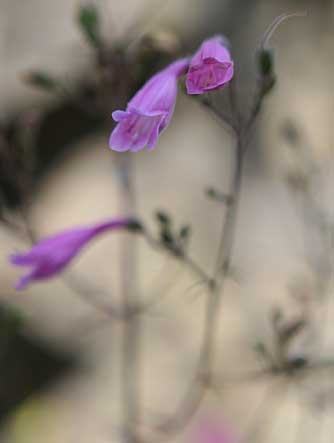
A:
[219,115]
[234,102]
[179,255]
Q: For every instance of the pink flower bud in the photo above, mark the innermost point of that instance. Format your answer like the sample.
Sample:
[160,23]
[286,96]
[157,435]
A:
[210,68]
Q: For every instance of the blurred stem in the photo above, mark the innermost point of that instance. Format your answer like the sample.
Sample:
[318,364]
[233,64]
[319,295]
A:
[232,90]
[223,261]
[204,371]
[179,255]
[219,114]
[204,377]
[228,228]
[131,334]
[256,107]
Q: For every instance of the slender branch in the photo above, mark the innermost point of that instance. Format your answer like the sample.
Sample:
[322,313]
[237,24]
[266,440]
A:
[179,255]
[203,376]
[232,90]
[260,93]
[131,334]
[219,115]
[228,228]
[222,268]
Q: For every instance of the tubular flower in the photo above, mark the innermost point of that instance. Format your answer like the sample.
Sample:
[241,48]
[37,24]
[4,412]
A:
[51,255]
[210,68]
[149,112]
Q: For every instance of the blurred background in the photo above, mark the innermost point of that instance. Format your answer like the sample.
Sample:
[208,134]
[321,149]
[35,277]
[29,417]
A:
[60,357]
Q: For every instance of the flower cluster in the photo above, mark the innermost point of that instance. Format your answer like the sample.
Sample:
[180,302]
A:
[150,111]
[147,114]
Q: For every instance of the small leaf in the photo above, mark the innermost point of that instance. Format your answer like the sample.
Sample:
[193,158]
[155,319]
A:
[266,62]
[291,133]
[211,192]
[276,318]
[288,332]
[163,218]
[185,232]
[135,226]
[41,79]
[88,19]
[167,237]
[219,196]
[260,349]
[298,362]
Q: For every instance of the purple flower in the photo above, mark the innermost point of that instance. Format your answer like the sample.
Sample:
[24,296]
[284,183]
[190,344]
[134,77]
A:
[51,255]
[149,112]
[213,433]
[210,68]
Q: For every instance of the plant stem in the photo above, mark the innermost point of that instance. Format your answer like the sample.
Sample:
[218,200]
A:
[131,333]
[223,262]
[185,258]
[204,377]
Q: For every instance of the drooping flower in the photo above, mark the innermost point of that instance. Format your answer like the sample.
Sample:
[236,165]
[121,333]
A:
[51,255]
[210,68]
[149,112]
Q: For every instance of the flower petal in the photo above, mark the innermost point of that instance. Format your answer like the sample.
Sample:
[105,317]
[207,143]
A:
[24,281]
[119,115]
[208,76]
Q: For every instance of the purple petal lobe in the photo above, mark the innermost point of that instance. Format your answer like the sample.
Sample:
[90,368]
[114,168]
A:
[23,282]
[135,131]
[119,115]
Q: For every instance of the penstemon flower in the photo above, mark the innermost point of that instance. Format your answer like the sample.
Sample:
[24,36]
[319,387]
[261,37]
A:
[149,112]
[210,68]
[52,254]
